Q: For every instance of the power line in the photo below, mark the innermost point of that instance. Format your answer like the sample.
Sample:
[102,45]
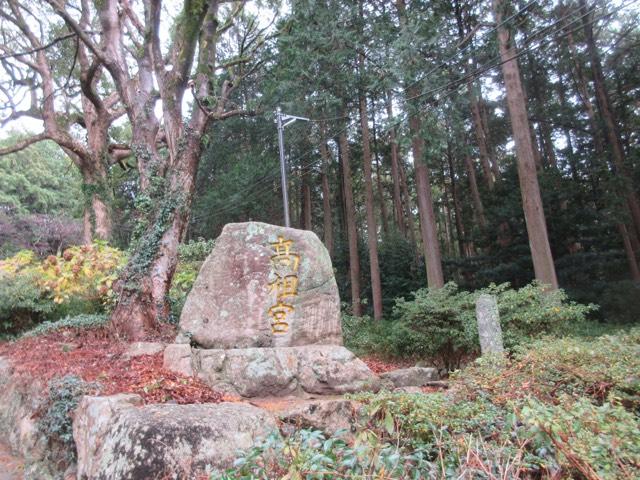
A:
[444,63]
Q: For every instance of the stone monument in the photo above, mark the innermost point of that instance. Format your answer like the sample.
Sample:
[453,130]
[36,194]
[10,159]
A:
[263,318]
[264,286]
[489,329]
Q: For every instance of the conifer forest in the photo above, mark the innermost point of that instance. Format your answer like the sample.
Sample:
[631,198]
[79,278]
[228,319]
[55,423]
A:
[443,153]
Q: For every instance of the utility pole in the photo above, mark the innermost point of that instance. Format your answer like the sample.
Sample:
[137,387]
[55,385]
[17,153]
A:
[288,120]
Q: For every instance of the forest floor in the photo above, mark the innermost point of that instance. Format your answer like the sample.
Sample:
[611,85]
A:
[587,385]
[99,359]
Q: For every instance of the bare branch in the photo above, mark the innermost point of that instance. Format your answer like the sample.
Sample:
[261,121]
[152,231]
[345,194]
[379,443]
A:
[21,145]
[73,25]
[37,49]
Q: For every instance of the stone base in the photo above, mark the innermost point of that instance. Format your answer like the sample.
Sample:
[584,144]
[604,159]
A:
[277,372]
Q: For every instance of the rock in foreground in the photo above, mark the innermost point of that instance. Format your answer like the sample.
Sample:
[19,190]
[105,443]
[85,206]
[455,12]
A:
[118,439]
[263,286]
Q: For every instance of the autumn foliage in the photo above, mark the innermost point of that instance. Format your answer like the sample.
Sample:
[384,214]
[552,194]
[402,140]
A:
[77,281]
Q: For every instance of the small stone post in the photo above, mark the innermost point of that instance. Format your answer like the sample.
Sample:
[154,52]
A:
[489,329]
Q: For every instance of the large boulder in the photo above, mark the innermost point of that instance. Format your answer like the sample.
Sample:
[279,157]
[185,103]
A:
[22,399]
[117,439]
[278,372]
[263,286]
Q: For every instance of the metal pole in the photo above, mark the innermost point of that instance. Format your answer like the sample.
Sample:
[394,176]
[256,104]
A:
[283,169]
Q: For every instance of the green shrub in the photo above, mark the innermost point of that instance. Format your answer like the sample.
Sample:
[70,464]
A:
[195,250]
[22,302]
[441,323]
[603,369]
[365,336]
[436,323]
[56,422]
[308,454]
[532,311]
[190,258]
[590,441]
[77,321]
[425,420]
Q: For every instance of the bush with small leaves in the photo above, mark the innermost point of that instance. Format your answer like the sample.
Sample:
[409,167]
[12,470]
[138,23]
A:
[441,323]
[78,281]
[590,441]
[84,320]
[190,258]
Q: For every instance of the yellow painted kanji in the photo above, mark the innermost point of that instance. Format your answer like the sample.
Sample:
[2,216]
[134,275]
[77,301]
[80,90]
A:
[285,265]
[283,257]
[278,314]
[286,286]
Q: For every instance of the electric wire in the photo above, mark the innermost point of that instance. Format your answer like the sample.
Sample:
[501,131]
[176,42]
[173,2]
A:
[463,80]
[495,62]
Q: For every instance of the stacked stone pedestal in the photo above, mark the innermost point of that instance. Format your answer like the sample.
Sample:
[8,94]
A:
[277,372]
[234,334]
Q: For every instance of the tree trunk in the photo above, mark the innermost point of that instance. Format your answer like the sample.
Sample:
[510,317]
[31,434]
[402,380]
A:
[481,139]
[372,230]
[143,288]
[580,81]
[428,228]
[475,99]
[395,171]
[463,245]
[384,215]
[326,192]
[606,113]
[546,143]
[306,203]
[447,222]
[484,115]
[352,232]
[560,89]
[97,213]
[531,199]
[408,207]
[475,193]
[631,256]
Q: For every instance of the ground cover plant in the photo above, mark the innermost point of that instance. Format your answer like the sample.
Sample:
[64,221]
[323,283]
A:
[561,408]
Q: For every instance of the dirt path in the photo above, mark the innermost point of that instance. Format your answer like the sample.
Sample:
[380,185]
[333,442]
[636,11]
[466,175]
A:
[10,467]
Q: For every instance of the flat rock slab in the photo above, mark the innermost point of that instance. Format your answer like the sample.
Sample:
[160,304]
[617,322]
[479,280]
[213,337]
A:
[263,286]
[117,438]
[138,349]
[411,377]
[277,372]
[329,415]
